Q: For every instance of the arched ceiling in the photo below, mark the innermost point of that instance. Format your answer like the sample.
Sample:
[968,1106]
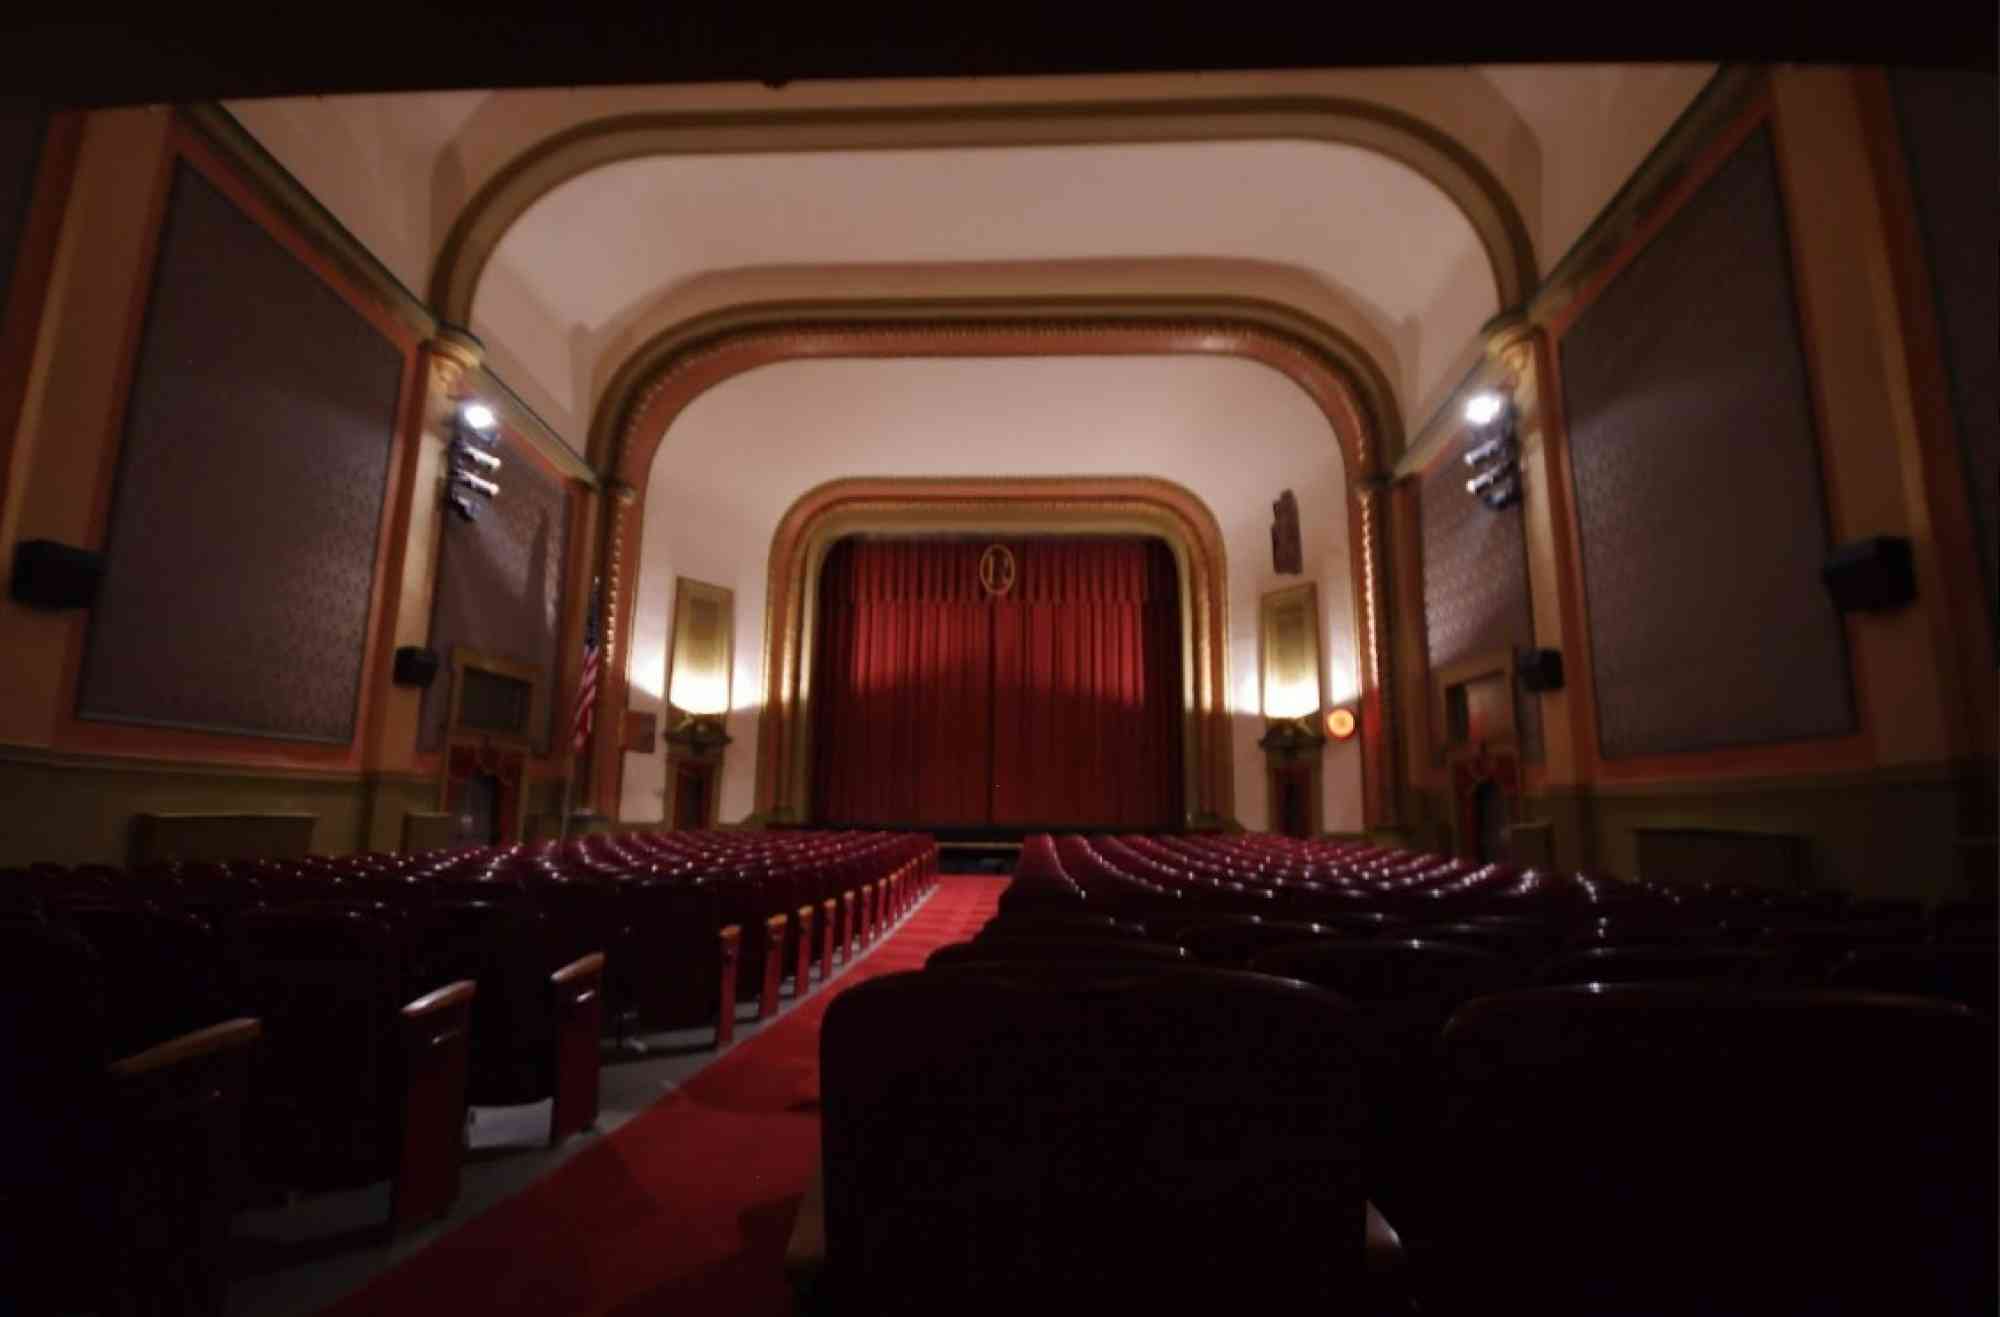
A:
[1352,226]
[583,265]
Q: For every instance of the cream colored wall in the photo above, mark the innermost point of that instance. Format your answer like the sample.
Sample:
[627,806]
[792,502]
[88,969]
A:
[1234,432]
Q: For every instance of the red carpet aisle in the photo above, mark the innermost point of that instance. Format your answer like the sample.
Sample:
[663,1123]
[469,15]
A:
[686,1210]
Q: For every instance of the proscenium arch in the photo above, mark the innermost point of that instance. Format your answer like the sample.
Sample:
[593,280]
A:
[1461,175]
[1000,506]
[637,421]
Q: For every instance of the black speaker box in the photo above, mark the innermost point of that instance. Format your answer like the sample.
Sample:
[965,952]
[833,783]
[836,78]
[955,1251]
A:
[1870,575]
[1539,669]
[52,575]
[416,666]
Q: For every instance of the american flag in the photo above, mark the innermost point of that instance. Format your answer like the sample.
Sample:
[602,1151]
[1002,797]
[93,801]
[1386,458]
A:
[586,689]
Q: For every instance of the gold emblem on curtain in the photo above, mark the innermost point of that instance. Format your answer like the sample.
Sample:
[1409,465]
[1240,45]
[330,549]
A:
[996,570]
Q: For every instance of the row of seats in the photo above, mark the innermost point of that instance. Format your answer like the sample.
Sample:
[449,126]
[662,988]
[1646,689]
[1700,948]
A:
[1549,929]
[343,1012]
[1128,1089]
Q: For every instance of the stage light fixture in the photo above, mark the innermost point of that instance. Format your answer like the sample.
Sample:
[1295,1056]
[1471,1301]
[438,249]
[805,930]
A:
[1483,408]
[479,416]
[1503,494]
[1480,483]
[485,460]
[478,485]
[462,505]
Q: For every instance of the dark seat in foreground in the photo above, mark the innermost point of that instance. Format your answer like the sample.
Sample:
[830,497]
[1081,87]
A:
[1140,1140]
[1690,1149]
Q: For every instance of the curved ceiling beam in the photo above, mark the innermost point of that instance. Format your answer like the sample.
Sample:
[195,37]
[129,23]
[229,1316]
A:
[1463,177]
[1341,376]
[1292,298]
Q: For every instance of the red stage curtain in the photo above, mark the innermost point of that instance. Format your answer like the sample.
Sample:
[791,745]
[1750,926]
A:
[1057,704]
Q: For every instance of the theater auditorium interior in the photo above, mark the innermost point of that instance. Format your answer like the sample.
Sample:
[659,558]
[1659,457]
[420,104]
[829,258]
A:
[1119,689]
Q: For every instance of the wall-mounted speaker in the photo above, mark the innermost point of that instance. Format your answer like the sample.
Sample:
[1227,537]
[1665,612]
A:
[1871,575]
[416,666]
[1539,669]
[52,575]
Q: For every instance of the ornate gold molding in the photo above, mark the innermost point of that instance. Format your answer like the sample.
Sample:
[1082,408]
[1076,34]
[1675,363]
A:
[999,505]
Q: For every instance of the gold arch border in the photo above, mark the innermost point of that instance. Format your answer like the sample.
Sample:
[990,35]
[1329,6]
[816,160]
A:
[1000,506]
[1461,175]
[636,418]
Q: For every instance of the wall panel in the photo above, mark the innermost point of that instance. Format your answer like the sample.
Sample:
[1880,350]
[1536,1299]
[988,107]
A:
[1476,599]
[500,587]
[246,510]
[1698,488]
[1951,134]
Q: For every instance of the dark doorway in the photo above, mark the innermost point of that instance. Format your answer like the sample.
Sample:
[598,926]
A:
[478,820]
[1490,809]
[691,788]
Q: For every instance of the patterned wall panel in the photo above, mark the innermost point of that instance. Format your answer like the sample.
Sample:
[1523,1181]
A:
[1476,598]
[1698,487]
[22,128]
[500,587]
[1951,130]
[249,493]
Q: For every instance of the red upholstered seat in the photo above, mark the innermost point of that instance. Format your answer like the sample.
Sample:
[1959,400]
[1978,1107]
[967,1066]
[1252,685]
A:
[1014,1139]
[1655,1150]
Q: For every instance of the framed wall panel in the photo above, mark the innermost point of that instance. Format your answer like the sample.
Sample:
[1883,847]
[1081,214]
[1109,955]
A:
[1697,486]
[1950,123]
[245,515]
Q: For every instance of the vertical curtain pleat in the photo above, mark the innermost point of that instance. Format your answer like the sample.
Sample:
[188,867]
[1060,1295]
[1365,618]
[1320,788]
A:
[1057,704]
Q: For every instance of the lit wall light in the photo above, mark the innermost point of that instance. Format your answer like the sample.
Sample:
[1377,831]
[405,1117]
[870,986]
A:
[1482,408]
[1340,723]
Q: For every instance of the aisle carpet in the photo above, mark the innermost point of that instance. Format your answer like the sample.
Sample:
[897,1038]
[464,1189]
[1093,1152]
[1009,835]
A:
[686,1209]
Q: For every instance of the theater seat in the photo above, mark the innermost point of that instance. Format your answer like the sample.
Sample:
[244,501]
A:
[1964,972]
[1057,950]
[1000,1140]
[1654,1150]
[355,1082]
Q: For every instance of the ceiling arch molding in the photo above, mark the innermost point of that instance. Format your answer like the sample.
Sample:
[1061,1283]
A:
[658,385]
[1461,175]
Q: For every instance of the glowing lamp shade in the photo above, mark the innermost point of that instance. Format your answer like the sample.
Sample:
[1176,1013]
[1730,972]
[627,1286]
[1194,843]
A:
[1293,699]
[1481,408]
[704,694]
[1340,723]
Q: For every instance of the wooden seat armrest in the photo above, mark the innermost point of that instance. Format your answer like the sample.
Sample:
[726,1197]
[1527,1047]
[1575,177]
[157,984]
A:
[444,999]
[805,1251]
[581,969]
[202,1042]
[1382,1247]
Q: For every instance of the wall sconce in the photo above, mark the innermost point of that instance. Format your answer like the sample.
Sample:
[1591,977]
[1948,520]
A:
[1292,738]
[1340,723]
[699,734]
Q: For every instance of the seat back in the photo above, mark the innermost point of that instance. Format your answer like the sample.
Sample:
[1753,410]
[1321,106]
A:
[1056,950]
[1965,972]
[1653,1149]
[1115,1140]
[326,981]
